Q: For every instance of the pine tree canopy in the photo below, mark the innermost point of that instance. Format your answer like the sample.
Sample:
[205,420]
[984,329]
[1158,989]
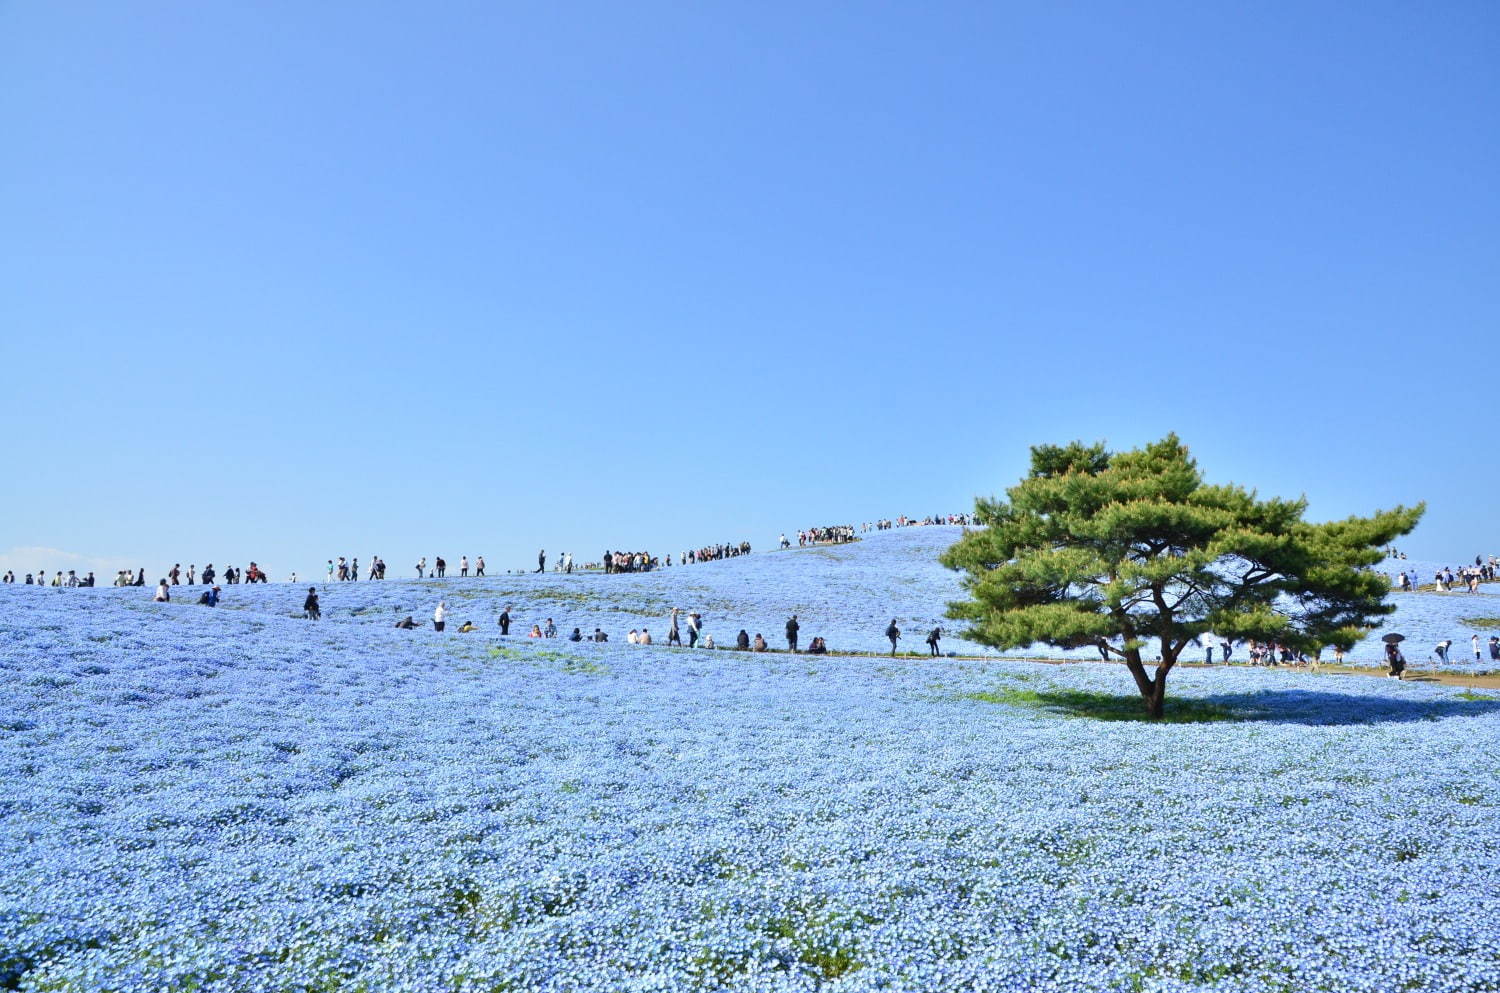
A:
[1132,552]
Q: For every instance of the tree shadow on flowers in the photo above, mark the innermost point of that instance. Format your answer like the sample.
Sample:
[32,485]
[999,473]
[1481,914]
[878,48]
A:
[1265,706]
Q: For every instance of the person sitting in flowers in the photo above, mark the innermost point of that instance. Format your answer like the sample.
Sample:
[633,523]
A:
[162,593]
[818,647]
[535,632]
[406,623]
[466,627]
[760,643]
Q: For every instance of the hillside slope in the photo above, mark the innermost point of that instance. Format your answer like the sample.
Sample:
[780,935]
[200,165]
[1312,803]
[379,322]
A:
[846,594]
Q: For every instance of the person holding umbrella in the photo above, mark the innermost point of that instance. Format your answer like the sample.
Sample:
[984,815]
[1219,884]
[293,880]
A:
[1393,657]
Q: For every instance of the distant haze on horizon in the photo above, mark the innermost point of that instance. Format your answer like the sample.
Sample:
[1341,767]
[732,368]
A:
[285,283]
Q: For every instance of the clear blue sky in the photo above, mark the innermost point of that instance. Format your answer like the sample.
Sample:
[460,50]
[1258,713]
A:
[283,281]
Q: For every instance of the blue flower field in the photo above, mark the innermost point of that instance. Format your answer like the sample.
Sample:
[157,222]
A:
[238,799]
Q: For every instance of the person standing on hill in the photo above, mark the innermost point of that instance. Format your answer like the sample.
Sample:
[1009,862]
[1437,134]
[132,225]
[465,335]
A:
[479,566]
[1474,641]
[568,563]
[694,623]
[541,561]
[191,570]
[932,640]
[440,616]
[310,605]
[440,567]
[894,633]
[1442,650]
[674,637]
[505,620]
[792,627]
[421,566]
[463,566]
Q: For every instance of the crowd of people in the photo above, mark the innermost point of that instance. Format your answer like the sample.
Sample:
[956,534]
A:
[613,562]
[1445,580]
[836,534]
[347,568]
[713,553]
[887,524]
[72,579]
[679,624]
[617,561]
[175,576]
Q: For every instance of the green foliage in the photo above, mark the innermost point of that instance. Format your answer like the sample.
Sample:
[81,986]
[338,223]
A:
[1480,622]
[1133,549]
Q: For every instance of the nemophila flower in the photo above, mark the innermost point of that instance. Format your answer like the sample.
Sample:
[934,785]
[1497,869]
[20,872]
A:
[233,799]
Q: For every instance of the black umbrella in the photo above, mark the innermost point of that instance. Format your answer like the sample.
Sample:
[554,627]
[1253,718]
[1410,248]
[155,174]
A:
[1391,639]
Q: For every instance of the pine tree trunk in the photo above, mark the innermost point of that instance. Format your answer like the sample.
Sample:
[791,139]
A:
[1153,691]
[1156,700]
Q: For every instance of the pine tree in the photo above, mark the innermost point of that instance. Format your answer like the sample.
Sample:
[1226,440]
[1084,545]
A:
[1120,550]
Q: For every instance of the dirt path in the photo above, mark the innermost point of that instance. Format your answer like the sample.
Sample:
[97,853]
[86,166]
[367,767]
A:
[1477,681]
